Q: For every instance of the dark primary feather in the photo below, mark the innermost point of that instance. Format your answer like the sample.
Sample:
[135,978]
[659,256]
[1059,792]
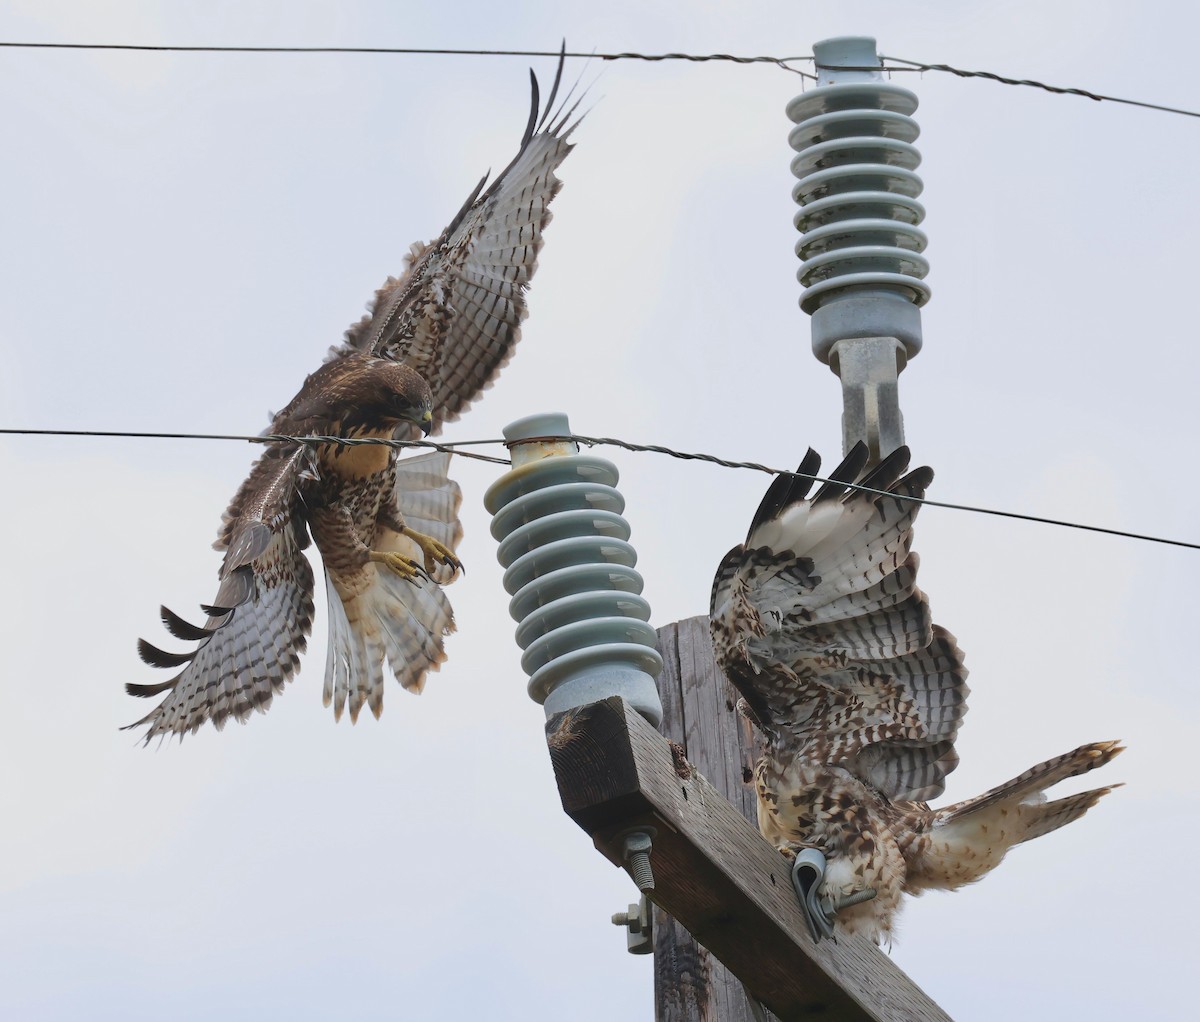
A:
[885,474]
[156,657]
[787,490]
[846,472]
[182,629]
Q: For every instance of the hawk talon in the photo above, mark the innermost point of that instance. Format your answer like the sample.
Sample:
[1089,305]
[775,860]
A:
[435,553]
[403,566]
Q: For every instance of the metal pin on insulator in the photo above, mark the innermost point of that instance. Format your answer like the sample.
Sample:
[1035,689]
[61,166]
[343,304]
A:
[569,568]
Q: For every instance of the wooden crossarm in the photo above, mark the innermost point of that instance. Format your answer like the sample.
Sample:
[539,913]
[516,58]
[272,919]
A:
[715,874]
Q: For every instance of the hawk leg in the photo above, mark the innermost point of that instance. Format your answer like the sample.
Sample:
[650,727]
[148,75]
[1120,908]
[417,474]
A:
[435,553]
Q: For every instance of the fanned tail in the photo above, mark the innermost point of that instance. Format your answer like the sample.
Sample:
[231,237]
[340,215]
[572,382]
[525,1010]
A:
[963,842]
[393,619]
[1036,779]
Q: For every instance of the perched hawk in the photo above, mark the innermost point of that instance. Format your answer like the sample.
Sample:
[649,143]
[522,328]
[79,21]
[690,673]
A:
[817,620]
[386,528]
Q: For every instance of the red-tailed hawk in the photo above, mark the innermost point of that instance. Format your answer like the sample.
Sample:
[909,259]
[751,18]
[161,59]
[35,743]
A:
[818,622]
[386,528]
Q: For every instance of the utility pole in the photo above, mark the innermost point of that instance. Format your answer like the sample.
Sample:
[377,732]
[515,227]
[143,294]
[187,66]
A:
[729,939]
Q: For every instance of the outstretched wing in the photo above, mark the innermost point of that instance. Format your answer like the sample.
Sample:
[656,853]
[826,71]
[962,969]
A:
[818,621]
[455,314]
[259,620]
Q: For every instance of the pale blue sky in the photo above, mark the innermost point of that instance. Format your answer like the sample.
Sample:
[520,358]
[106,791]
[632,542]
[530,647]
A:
[185,234]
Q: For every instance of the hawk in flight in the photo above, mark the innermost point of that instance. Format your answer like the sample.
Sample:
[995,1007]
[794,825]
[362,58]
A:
[818,622]
[386,528]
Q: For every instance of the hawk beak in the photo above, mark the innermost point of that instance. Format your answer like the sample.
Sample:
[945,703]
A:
[426,423]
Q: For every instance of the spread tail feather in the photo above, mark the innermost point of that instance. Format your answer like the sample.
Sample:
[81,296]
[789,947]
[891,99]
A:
[1050,816]
[1037,779]
[963,842]
[394,619]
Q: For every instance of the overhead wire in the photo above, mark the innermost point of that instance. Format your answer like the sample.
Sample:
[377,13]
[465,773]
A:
[896,64]
[782,62]
[457,447]
[1056,89]
[266,438]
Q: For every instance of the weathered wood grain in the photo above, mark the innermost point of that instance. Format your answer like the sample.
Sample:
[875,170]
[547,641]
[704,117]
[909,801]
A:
[690,985]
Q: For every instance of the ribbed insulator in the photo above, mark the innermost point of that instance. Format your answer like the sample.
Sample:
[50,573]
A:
[569,568]
[857,190]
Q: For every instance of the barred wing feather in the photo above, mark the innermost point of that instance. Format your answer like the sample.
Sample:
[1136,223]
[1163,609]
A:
[817,619]
[455,314]
[259,621]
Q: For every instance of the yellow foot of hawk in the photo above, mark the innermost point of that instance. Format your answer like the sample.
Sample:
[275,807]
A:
[435,553]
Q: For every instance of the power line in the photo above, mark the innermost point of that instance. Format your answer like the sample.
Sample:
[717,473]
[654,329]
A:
[919,500]
[457,448]
[781,62]
[1056,89]
[266,438]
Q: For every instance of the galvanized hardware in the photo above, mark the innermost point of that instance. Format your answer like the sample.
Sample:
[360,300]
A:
[807,873]
[639,927]
[637,845]
[582,621]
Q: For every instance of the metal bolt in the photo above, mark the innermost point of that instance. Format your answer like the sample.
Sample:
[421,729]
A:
[637,854]
[639,927]
[857,898]
[631,918]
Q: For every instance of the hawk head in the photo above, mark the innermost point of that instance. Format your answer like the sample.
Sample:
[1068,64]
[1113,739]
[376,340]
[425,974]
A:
[360,394]
[393,394]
